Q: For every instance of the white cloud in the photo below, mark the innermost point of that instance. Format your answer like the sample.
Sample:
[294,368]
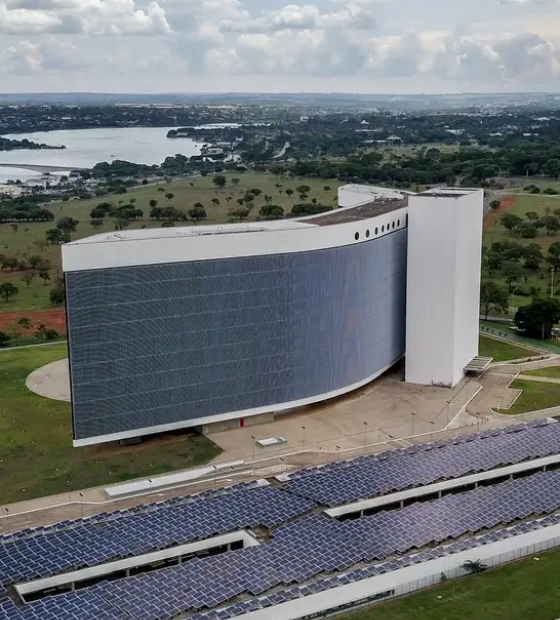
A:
[89,17]
[361,45]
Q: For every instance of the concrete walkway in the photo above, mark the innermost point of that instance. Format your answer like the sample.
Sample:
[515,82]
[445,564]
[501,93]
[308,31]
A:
[51,381]
[539,379]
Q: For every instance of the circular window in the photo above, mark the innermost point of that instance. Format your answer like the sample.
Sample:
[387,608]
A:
[399,223]
[377,231]
[383,228]
[406,219]
[357,236]
[367,234]
[393,225]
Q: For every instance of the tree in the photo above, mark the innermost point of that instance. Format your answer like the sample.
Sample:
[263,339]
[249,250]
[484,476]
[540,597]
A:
[51,334]
[533,256]
[553,257]
[45,276]
[495,297]
[510,221]
[9,262]
[27,278]
[512,272]
[495,205]
[169,196]
[290,192]
[532,216]
[25,323]
[41,331]
[198,213]
[235,181]
[66,223]
[552,168]
[14,227]
[153,203]
[95,224]
[219,181]
[55,236]
[538,319]
[551,223]
[271,212]
[237,215]
[4,339]
[526,230]
[215,201]
[57,295]
[7,290]
[303,189]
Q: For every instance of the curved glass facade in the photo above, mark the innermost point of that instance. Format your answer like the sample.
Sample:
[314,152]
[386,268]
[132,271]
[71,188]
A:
[173,343]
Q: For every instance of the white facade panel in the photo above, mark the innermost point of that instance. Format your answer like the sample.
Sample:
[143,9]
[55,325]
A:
[443,286]
[112,251]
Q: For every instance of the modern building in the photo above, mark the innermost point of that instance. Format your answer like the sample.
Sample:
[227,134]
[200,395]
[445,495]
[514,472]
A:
[213,325]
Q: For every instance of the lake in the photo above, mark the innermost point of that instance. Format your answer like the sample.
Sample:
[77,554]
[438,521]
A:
[87,147]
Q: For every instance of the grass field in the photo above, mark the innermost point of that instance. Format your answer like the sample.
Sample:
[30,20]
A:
[525,590]
[495,232]
[36,453]
[501,351]
[21,243]
[535,396]
[553,372]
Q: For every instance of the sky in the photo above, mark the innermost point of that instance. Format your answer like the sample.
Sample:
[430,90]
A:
[363,46]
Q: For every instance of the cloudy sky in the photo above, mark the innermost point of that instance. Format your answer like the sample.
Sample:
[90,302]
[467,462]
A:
[371,46]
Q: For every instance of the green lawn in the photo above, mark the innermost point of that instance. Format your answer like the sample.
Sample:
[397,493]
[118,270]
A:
[552,372]
[36,453]
[496,232]
[527,590]
[501,351]
[22,242]
[535,396]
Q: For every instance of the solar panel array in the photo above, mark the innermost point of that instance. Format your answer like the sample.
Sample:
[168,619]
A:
[92,542]
[365,477]
[308,546]
[305,543]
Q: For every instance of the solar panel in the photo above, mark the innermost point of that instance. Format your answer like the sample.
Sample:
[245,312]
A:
[308,551]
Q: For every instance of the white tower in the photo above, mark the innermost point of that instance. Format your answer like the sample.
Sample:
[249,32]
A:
[443,287]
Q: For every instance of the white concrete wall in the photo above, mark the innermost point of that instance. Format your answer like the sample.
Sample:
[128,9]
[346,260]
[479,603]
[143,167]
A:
[443,288]
[176,248]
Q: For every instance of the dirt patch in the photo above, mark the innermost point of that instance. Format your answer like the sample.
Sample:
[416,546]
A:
[52,319]
[492,217]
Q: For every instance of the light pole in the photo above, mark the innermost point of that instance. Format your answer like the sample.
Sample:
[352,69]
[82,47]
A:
[412,416]
[552,270]
[365,433]
[303,434]
[432,423]
[513,302]
[253,449]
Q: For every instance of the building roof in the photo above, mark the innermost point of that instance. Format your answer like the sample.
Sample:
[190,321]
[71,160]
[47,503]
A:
[379,206]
